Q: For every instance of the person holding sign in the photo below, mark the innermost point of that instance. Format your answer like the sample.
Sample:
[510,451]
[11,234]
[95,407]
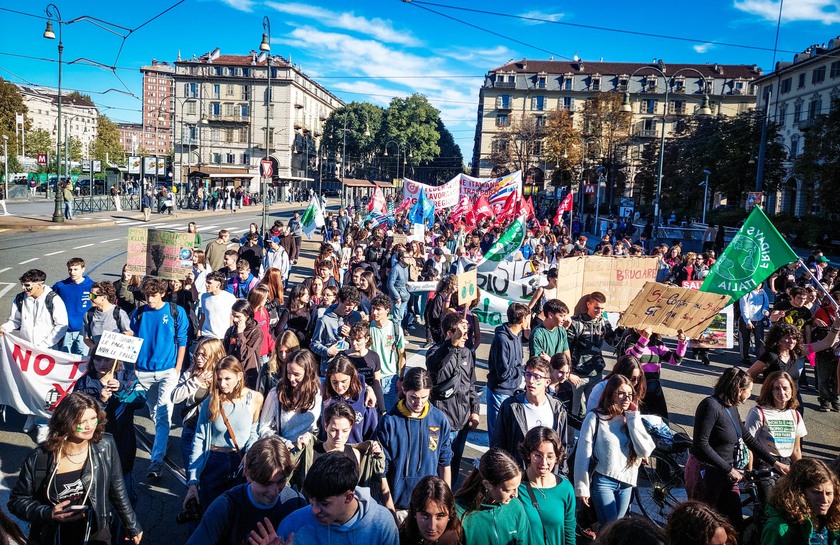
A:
[67,486]
[104,314]
[587,334]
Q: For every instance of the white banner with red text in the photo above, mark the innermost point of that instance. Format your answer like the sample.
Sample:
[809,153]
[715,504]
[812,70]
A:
[447,195]
[35,380]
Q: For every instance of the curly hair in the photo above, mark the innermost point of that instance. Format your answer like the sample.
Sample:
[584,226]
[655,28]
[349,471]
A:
[695,523]
[66,418]
[788,496]
[780,330]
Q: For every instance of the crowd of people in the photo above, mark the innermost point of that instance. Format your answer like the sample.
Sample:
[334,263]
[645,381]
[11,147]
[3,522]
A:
[301,421]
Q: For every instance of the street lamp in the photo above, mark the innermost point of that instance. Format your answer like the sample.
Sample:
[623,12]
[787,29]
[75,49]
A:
[398,154]
[704,110]
[265,45]
[53,13]
[601,178]
[705,194]
[6,166]
[406,155]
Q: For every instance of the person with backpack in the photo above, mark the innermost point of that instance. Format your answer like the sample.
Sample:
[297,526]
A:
[241,284]
[163,328]
[104,314]
[75,292]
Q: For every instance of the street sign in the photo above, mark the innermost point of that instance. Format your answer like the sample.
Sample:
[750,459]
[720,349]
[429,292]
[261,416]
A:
[42,158]
[589,189]
[755,199]
[266,169]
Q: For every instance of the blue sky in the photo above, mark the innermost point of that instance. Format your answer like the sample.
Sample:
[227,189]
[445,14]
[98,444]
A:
[373,50]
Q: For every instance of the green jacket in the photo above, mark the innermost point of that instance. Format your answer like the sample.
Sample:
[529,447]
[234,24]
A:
[779,531]
[495,524]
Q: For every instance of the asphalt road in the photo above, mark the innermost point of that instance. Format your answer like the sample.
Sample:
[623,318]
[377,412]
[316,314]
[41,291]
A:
[103,249]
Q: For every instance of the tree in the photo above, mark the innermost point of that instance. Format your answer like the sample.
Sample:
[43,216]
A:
[39,141]
[362,121]
[11,103]
[447,164]
[75,148]
[106,147]
[412,121]
[818,167]
[563,145]
[609,126]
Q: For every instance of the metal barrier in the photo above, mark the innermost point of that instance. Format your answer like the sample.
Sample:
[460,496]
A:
[102,203]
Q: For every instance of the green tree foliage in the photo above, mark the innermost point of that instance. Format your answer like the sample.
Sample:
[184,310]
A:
[106,147]
[818,166]
[75,148]
[39,141]
[609,127]
[11,103]
[362,122]
[413,121]
[449,163]
[563,144]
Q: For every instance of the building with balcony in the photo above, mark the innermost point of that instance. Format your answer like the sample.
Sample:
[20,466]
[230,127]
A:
[225,122]
[536,87]
[79,115]
[795,95]
[158,108]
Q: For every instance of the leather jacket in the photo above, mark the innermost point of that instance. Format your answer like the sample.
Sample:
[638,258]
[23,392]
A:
[102,476]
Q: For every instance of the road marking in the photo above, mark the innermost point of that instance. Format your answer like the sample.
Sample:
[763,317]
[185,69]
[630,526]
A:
[110,240]
[209,228]
[54,253]
[4,270]
[83,246]
[132,222]
[120,222]
[9,286]
[28,261]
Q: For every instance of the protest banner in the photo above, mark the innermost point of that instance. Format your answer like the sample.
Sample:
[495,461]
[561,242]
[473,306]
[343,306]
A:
[667,309]
[721,332]
[165,254]
[467,292]
[400,238]
[117,346]
[421,287]
[36,379]
[445,196]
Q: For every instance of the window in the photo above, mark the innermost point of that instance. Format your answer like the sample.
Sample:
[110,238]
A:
[540,82]
[266,95]
[568,104]
[217,70]
[797,112]
[782,115]
[271,111]
[801,81]
[539,121]
[835,69]
[230,158]
[246,159]
[623,81]
[650,83]
[738,87]
[538,103]
[216,158]
[679,85]
[502,120]
[503,102]
[538,148]
[567,83]
[595,83]
[814,107]
[246,72]
[648,106]
[677,107]
[512,78]
[230,90]
[499,145]
[191,90]
[648,128]
[215,108]
[216,91]
[794,146]
[215,135]
[244,110]
[246,92]
[230,110]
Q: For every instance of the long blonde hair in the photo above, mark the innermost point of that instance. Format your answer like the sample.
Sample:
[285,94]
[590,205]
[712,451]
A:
[214,351]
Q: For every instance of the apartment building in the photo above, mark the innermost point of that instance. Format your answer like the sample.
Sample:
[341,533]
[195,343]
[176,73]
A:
[131,137]
[79,116]
[225,125]
[158,108]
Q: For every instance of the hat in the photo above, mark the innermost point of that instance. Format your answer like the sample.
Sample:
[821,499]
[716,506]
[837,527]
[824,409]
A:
[275,239]
[438,251]
[822,259]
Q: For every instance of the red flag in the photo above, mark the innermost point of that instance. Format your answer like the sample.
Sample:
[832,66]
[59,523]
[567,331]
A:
[377,202]
[462,208]
[482,209]
[527,206]
[509,208]
[565,206]
[403,205]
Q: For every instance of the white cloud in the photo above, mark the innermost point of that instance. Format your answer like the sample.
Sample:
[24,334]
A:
[380,29]
[241,5]
[703,48]
[824,11]
[536,14]
[480,57]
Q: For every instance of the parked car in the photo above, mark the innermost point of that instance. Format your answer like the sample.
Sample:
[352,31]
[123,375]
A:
[82,187]
[332,193]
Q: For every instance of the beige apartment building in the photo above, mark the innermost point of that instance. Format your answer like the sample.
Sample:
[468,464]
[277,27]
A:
[221,126]
[79,116]
[536,87]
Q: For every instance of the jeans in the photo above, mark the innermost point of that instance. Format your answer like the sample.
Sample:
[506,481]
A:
[827,380]
[744,334]
[459,441]
[74,343]
[389,391]
[187,435]
[159,386]
[582,392]
[398,311]
[611,498]
[494,403]
[68,209]
[214,479]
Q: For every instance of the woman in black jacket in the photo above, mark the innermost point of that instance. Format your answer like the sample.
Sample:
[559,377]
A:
[65,484]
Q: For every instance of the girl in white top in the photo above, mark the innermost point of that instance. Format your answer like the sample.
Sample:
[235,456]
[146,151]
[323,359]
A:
[613,435]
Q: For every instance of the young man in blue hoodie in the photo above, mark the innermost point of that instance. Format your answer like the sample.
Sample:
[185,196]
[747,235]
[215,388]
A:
[339,512]
[505,361]
[75,294]
[163,328]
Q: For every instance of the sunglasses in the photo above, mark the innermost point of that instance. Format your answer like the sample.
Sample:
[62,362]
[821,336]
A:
[533,376]
[92,296]
[30,287]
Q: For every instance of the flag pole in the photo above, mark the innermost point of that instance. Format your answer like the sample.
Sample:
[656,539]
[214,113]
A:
[819,285]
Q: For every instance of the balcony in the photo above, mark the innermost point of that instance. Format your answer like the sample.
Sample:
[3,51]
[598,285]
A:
[230,118]
[805,125]
[504,84]
[647,133]
[504,105]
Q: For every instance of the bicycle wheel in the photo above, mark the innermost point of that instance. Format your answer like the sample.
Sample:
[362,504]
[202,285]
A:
[660,488]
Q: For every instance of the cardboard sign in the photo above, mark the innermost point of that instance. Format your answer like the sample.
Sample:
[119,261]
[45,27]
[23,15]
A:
[117,346]
[400,238]
[421,287]
[666,309]
[720,333]
[467,287]
[165,254]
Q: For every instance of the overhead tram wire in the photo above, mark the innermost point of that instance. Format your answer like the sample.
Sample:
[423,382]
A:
[422,4]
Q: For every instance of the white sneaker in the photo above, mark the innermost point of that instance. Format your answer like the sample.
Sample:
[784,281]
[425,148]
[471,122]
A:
[43,433]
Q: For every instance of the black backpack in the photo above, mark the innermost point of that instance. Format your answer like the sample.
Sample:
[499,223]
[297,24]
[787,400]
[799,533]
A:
[48,302]
[88,318]
[173,311]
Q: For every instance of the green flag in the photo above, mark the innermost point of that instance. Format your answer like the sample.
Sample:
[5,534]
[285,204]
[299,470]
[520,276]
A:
[755,253]
[510,241]
[313,218]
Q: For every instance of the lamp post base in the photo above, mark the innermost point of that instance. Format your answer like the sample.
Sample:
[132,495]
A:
[58,213]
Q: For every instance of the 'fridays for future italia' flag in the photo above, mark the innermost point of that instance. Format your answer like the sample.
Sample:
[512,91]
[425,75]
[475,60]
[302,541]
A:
[510,241]
[753,255]
[313,218]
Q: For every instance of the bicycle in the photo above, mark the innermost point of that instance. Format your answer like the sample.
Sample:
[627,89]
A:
[661,483]
[754,523]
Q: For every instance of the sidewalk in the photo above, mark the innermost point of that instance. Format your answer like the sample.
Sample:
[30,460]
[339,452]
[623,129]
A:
[109,218]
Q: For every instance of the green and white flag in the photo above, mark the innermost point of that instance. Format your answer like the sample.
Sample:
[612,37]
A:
[313,217]
[755,253]
[510,241]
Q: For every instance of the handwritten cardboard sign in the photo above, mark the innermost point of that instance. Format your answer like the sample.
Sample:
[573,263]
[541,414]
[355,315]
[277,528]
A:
[666,309]
[117,346]
[467,287]
[165,254]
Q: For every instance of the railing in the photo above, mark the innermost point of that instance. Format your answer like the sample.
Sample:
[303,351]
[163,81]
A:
[104,203]
[504,84]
